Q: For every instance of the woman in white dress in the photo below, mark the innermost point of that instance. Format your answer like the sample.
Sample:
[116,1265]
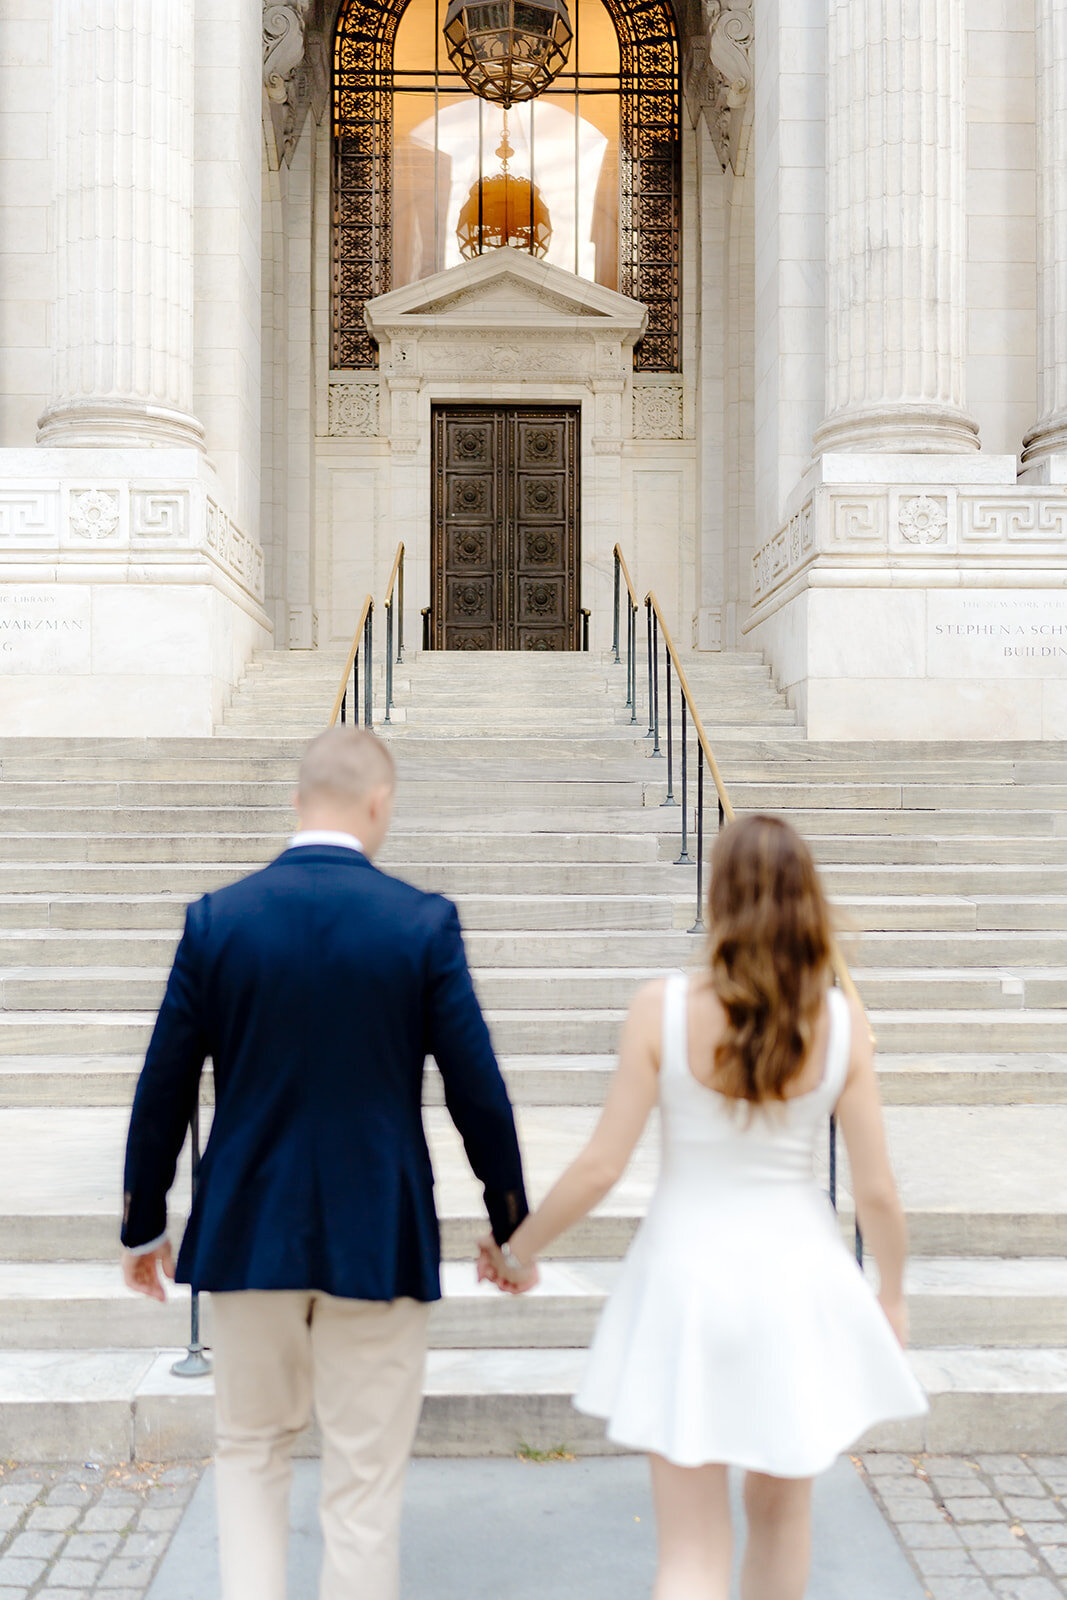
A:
[741,1331]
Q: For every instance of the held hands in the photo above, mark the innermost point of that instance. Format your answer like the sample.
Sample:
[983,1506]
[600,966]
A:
[492,1268]
[141,1273]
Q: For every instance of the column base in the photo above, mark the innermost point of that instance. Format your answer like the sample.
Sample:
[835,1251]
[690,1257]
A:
[116,425]
[902,429]
[1046,442]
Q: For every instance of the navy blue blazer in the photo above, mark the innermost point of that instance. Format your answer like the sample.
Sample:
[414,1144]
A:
[318,987]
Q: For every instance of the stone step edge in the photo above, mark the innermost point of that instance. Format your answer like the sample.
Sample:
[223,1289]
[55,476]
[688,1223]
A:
[115,1406]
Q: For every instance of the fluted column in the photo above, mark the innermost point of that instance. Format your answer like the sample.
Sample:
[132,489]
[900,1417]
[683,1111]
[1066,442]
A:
[124,304]
[1049,435]
[895,346]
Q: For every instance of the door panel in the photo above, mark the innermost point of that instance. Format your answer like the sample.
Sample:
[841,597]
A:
[505,528]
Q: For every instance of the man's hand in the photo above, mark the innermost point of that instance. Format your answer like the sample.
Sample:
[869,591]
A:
[142,1272]
[492,1268]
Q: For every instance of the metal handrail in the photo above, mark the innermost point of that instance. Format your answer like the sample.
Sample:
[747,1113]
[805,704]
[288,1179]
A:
[656,623]
[363,639]
[631,630]
[364,636]
[394,592]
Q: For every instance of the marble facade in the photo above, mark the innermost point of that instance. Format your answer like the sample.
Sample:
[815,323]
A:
[861,469]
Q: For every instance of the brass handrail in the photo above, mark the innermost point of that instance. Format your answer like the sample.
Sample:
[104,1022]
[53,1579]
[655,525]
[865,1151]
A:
[364,636]
[698,725]
[840,965]
[621,559]
[342,688]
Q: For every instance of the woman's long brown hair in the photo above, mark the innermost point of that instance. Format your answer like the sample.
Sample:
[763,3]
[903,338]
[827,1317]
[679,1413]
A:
[771,944]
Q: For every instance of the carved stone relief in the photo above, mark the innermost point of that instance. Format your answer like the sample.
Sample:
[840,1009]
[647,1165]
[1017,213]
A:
[353,409]
[658,411]
[726,74]
[29,516]
[294,74]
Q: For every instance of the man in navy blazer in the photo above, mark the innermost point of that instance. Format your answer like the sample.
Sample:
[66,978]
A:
[317,987]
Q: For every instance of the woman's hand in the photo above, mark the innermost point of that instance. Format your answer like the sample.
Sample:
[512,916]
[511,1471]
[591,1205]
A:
[896,1311]
[492,1268]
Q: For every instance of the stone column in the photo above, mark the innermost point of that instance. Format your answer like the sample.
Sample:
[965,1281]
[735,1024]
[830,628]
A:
[895,314]
[124,215]
[1049,435]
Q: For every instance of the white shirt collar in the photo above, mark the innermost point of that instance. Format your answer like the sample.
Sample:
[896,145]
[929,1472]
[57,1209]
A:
[344,841]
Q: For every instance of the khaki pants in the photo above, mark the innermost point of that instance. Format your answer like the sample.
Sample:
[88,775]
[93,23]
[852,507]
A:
[361,1364]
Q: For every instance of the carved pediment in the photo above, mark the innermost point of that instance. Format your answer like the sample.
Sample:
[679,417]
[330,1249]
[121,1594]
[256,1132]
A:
[505,290]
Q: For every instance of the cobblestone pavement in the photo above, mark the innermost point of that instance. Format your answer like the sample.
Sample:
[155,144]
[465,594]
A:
[978,1527]
[975,1528]
[70,1532]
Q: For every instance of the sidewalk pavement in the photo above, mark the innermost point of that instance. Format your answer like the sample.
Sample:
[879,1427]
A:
[475,1530]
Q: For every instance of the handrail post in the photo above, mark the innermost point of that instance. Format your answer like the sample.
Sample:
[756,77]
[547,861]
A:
[684,858]
[648,610]
[586,614]
[670,800]
[368,669]
[194,1364]
[631,657]
[388,661]
[344,707]
[355,684]
[698,925]
[656,751]
[615,625]
[400,614]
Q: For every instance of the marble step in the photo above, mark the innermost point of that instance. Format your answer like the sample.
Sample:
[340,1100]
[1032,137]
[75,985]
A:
[113,1406]
[956,834]
[117,907]
[951,1078]
[575,1032]
[412,852]
[923,952]
[560,989]
[841,880]
[975,1180]
[988,1302]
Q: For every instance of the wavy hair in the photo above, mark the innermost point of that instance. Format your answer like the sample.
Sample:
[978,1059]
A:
[771,953]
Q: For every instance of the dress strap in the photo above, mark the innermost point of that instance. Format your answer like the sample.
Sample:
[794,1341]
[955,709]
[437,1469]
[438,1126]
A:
[839,1045]
[674,1058]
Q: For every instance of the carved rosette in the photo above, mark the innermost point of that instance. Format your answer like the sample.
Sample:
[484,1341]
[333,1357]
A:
[94,514]
[923,519]
[657,411]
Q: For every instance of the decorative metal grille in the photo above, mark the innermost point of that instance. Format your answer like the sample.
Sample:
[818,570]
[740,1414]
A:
[649,172]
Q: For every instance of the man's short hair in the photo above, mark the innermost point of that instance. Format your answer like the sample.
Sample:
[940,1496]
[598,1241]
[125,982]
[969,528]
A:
[345,764]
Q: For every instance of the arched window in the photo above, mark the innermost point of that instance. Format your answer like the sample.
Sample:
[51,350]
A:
[415,154]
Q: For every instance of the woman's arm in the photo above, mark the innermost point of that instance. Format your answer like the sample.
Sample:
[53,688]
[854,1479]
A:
[881,1216]
[588,1179]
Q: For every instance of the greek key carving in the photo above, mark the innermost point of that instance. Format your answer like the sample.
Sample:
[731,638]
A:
[29,517]
[155,516]
[1013,519]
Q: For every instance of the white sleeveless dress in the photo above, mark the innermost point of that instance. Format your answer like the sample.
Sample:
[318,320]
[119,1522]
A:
[741,1329]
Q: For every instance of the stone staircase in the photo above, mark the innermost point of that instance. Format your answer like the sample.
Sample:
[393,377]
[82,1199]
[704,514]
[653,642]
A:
[527,795]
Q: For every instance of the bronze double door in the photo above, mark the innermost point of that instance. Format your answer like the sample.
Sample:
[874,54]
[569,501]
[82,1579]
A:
[505,528]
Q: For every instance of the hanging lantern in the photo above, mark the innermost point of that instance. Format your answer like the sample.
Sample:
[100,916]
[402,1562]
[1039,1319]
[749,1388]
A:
[503,209]
[508,50]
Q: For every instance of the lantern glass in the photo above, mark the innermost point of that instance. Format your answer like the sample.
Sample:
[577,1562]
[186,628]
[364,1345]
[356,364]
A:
[508,51]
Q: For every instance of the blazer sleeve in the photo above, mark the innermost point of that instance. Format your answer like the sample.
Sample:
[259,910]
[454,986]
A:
[167,1091]
[475,1094]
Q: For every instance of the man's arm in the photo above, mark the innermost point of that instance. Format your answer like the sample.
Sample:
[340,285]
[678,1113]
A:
[475,1095]
[166,1095]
